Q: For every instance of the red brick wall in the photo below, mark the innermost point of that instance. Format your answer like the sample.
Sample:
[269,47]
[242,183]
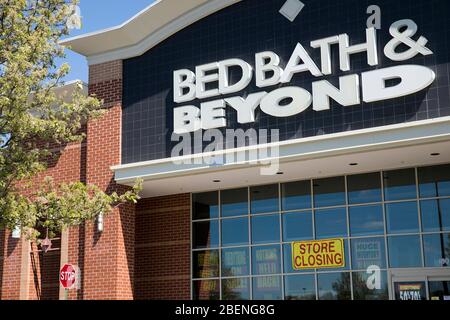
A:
[162,262]
[10,260]
[106,259]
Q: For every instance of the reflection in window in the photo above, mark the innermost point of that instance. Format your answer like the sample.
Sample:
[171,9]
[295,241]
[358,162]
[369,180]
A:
[300,287]
[266,260]
[404,252]
[206,264]
[266,229]
[267,288]
[402,217]
[331,223]
[367,252]
[234,231]
[205,234]
[329,192]
[366,220]
[234,202]
[205,205]
[434,181]
[296,195]
[435,215]
[365,286]
[287,257]
[297,226]
[364,188]
[399,184]
[206,290]
[236,289]
[264,198]
[437,250]
[235,262]
[334,286]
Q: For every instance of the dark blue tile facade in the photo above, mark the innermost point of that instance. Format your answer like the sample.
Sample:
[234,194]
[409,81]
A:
[252,26]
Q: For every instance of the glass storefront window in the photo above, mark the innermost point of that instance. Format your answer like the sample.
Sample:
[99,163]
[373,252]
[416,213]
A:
[266,260]
[234,202]
[402,217]
[296,195]
[399,184]
[236,289]
[205,205]
[329,192]
[434,181]
[404,251]
[364,188]
[437,250]
[334,286]
[206,289]
[205,234]
[366,220]
[297,226]
[264,198]
[265,229]
[300,287]
[331,223]
[235,262]
[368,252]
[248,255]
[234,231]
[206,263]
[435,215]
[267,288]
[366,286]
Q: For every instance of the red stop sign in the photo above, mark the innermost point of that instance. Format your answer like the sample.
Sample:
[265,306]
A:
[68,276]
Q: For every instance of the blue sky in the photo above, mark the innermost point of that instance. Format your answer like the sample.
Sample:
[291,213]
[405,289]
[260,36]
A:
[97,15]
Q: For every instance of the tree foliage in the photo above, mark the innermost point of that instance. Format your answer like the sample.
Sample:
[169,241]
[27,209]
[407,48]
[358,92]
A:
[33,119]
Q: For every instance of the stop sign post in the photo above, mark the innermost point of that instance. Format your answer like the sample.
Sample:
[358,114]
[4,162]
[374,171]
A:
[68,276]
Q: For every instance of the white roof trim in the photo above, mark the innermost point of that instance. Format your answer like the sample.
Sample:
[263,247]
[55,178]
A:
[363,140]
[145,30]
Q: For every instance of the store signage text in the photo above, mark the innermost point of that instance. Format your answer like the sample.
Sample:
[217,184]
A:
[211,80]
[318,254]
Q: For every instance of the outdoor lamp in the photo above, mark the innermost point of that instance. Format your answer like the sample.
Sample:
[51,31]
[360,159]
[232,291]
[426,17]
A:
[100,222]
[16,233]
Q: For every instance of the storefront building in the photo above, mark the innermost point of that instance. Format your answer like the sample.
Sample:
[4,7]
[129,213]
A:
[289,150]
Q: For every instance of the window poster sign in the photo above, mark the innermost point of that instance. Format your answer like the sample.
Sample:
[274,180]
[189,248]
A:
[318,254]
[410,290]
[266,260]
[235,262]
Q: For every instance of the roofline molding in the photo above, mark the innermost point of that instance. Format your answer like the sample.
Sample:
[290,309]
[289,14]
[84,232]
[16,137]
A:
[129,40]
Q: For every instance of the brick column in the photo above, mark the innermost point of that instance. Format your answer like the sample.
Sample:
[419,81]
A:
[106,259]
[10,262]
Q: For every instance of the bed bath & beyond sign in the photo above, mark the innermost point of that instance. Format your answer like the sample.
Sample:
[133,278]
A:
[411,78]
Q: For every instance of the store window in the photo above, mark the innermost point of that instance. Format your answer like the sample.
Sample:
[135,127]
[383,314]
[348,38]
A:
[364,188]
[434,181]
[399,184]
[242,238]
[366,220]
[329,192]
[334,286]
[296,195]
[435,215]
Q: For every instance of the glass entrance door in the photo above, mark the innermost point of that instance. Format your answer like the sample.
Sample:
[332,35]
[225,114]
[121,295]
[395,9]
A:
[420,285]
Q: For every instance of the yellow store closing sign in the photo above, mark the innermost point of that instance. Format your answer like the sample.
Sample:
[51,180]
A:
[327,253]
